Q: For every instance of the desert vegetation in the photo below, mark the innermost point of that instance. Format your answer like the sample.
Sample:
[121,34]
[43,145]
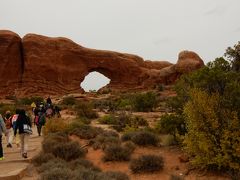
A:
[201,120]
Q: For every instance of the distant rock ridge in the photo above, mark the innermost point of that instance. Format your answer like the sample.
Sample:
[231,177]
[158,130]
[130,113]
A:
[40,65]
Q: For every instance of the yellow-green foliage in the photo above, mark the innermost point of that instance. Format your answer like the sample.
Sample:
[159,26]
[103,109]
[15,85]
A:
[55,125]
[213,137]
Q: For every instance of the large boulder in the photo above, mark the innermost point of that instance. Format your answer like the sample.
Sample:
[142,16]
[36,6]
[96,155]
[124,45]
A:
[188,61]
[11,68]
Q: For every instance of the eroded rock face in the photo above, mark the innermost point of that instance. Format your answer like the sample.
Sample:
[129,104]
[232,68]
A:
[58,65]
[11,61]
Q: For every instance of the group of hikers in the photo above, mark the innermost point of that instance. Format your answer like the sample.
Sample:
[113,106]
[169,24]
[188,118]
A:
[17,127]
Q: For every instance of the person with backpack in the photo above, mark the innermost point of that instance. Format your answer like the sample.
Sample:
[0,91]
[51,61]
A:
[14,122]
[9,129]
[23,126]
[2,130]
[41,121]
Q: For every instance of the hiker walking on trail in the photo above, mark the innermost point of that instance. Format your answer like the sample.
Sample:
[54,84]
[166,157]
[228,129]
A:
[14,122]
[49,101]
[23,125]
[2,130]
[40,121]
[9,128]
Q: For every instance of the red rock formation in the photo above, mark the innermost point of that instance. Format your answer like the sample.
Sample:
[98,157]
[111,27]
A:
[11,61]
[188,61]
[58,65]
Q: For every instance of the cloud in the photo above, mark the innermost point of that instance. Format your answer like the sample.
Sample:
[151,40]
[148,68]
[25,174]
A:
[219,10]
[237,30]
[163,40]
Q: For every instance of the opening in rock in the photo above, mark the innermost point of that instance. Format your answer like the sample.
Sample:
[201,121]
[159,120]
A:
[94,81]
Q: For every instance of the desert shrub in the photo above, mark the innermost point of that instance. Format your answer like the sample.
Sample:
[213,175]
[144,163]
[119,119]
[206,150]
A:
[215,128]
[80,162]
[175,177]
[130,146]
[168,140]
[128,136]
[124,104]
[52,163]
[29,100]
[57,174]
[68,151]
[105,139]
[69,101]
[84,173]
[42,158]
[159,87]
[7,107]
[116,152]
[171,124]
[122,120]
[137,121]
[113,175]
[75,124]
[51,140]
[144,138]
[85,110]
[108,119]
[144,102]
[86,131]
[54,125]
[146,163]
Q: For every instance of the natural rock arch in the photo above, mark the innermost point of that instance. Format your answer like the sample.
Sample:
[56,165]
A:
[43,65]
[94,81]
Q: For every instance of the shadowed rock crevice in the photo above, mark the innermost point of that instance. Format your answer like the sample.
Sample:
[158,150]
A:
[44,65]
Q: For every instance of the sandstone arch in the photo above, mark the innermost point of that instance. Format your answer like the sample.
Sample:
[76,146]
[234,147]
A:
[94,81]
[45,65]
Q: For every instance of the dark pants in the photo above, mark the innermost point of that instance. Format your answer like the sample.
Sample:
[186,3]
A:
[39,129]
[1,149]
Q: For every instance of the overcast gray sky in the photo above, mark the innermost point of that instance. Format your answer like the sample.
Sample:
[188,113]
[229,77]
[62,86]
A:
[152,29]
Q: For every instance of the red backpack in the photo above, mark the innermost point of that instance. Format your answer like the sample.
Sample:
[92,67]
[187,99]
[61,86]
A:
[8,122]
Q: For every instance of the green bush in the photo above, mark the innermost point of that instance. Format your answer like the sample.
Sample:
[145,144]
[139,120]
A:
[69,101]
[85,110]
[144,138]
[175,177]
[128,136]
[129,146]
[52,140]
[138,121]
[144,102]
[83,173]
[57,174]
[68,151]
[52,163]
[146,163]
[116,152]
[105,139]
[86,131]
[171,124]
[80,162]
[29,100]
[160,87]
[108,119]
[7,107]
[168,140]
[42,158]
[75,124]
